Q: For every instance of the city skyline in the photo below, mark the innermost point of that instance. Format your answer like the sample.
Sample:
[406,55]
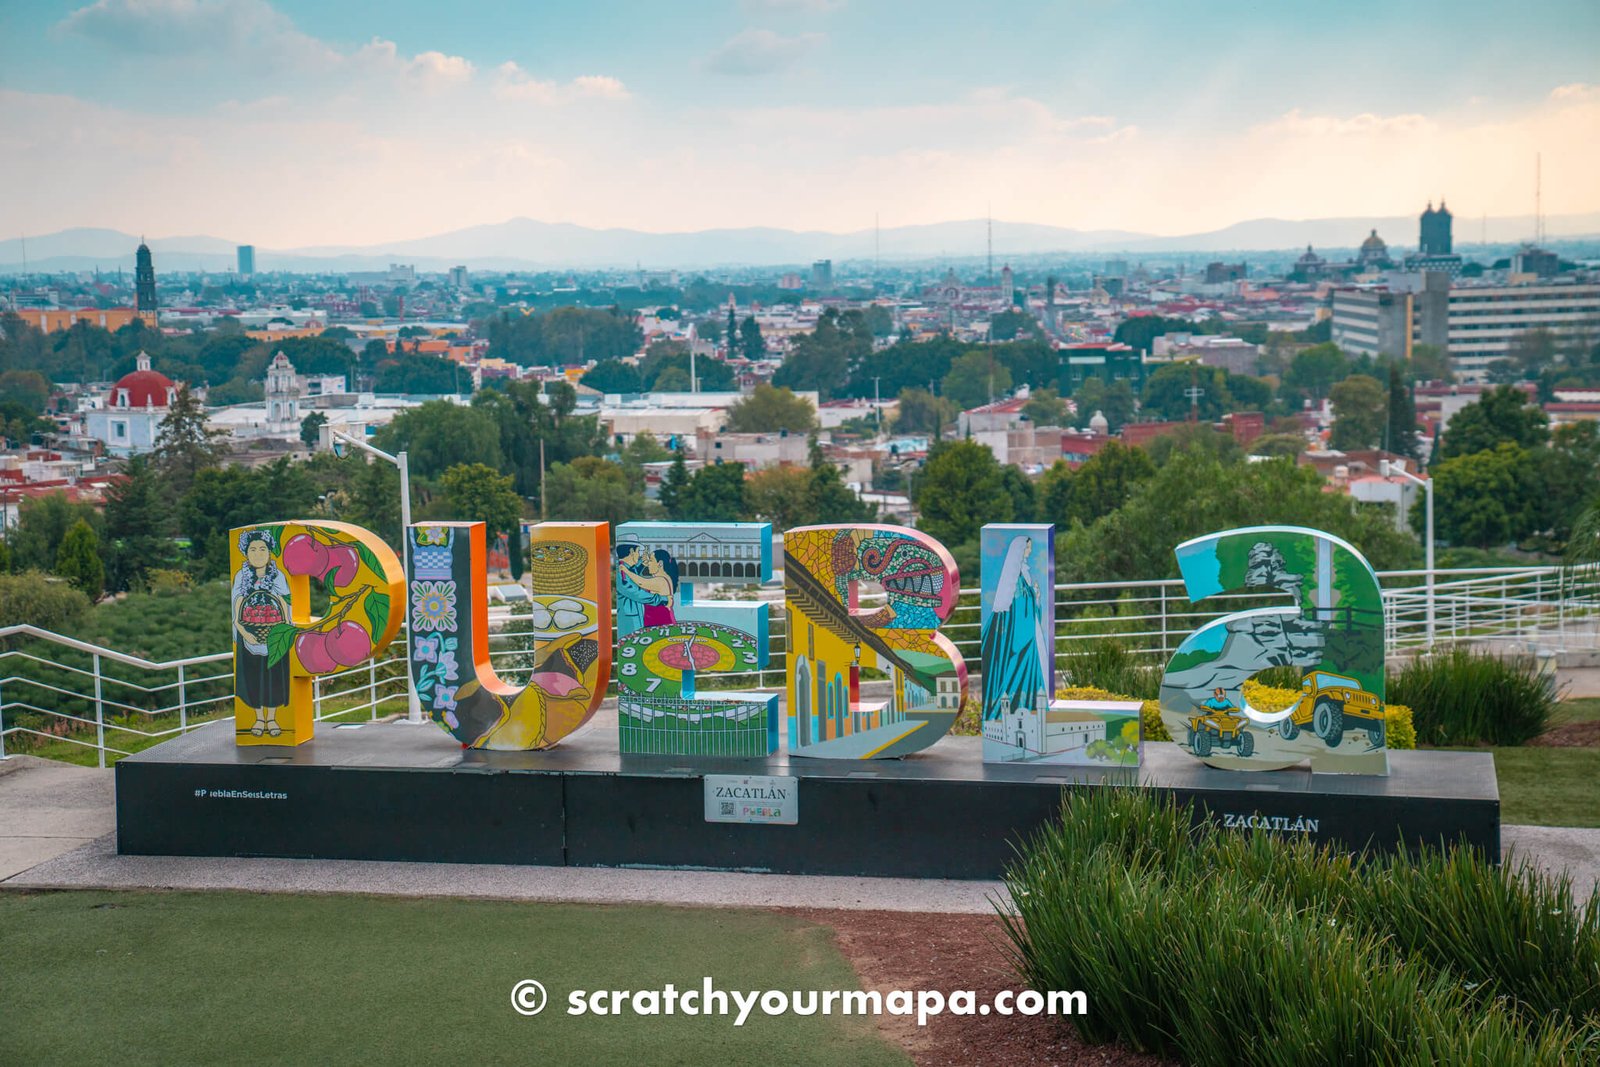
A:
[361,124]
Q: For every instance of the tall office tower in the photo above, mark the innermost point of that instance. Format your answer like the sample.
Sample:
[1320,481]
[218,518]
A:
[1434,239]
[247,260]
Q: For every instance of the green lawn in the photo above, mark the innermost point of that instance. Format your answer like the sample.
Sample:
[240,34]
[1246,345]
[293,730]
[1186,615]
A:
[1549,786]
[164,978]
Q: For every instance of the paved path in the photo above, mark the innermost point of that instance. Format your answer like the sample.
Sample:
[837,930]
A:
[56,824]
[47,808]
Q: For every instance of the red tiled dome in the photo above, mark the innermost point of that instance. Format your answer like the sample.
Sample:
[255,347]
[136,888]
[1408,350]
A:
[144,389]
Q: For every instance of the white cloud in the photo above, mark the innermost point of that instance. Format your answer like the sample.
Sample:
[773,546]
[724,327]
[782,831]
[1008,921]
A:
[218,28]
[511,82]
[805,7]
[756,52]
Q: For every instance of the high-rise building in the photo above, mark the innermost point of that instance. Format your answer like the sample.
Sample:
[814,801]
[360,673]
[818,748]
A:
[144,284]
[458,277]
[822,275]
[1434,237]
[247,260]
[1478,324]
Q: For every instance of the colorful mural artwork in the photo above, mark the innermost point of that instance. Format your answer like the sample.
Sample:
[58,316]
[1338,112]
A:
[571,633]
[277,645]
[832,639]
[1023,722]
[666,639]
[1333,635]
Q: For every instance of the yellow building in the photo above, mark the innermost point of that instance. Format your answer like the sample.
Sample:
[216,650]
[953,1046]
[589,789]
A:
[52,319]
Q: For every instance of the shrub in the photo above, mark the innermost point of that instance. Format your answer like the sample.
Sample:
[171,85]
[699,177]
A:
[1399,732]
[1461,697]
[1226,948]
[45,601]
[1107,664]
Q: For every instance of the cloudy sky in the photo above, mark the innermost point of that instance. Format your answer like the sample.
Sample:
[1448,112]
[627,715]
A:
[302,123]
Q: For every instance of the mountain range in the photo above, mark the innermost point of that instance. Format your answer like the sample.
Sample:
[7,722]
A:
[524,244]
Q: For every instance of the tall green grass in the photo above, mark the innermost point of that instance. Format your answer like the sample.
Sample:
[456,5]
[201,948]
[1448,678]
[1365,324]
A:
[1108,664]
[1461,697]
[1222,948]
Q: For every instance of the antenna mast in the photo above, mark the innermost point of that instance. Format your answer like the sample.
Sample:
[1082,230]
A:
[989,221]
[1538,199]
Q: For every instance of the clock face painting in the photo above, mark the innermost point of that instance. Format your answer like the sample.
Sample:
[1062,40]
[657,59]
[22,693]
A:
[656,660]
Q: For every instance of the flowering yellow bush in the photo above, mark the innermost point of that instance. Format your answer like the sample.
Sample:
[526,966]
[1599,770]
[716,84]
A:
[1399,732]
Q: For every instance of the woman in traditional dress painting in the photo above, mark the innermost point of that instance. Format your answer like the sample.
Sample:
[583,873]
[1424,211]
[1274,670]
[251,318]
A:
[260,602]
[661,579]
[1016,643]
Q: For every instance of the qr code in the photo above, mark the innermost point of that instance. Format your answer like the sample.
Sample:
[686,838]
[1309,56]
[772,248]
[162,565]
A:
[727,807]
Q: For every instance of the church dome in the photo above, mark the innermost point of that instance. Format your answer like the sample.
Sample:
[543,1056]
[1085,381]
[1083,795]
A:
[143,388]
[1099,423]
[1374,243]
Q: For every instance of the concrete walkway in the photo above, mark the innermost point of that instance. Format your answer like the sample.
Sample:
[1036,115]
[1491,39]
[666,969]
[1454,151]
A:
[48,808]
[57,822]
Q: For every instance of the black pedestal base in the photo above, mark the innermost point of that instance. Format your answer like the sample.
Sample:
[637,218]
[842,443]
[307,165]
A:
[399,792]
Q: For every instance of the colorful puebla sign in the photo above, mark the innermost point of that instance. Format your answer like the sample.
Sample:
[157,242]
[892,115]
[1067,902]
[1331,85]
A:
[277,645]
[1332,637]
[666,638]
[571,634]
[667,642]
[1023,722]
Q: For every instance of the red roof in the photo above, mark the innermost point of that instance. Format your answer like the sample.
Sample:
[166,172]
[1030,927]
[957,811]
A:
[145,389]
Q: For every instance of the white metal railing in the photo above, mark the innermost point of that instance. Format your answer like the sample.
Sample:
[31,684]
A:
[63,690]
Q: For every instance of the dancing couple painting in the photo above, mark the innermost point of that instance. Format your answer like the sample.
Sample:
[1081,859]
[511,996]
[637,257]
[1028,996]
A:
[647,588]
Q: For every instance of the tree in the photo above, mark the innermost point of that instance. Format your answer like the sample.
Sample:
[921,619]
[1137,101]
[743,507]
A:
[37,599]
[714,494]
[423,375]
[42,523]
[1193,494]
[590,489]
[439,435]
[1167,393]
[185,446]
[78,560]
[1399,416]
[958,490]
[311,427]
[1106,480]
[751,344]
[225,498]
[28,388]
[1358,413]
[1053,499]
[1278,445]
[781,496]
[674,491]
[1114,400]
[138,519]
[824,358]
[922,412]
[769,410]
[1314,370]
[1045,408]
[613,376]
[975,379]
[1431,363]
[1195,438]
[1484,499]
[477,493]
[1499,415]
[1007,325]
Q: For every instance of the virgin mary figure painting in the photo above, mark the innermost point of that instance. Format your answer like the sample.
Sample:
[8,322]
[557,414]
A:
[1017,643]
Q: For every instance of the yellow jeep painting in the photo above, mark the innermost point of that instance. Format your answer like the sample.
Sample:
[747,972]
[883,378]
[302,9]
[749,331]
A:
[1331,703]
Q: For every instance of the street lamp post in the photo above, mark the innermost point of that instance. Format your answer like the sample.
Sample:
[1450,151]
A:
[338,438]
[1387,468]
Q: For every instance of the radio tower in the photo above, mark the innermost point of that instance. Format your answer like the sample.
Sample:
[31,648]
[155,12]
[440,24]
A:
[989,221]
[1538,199]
